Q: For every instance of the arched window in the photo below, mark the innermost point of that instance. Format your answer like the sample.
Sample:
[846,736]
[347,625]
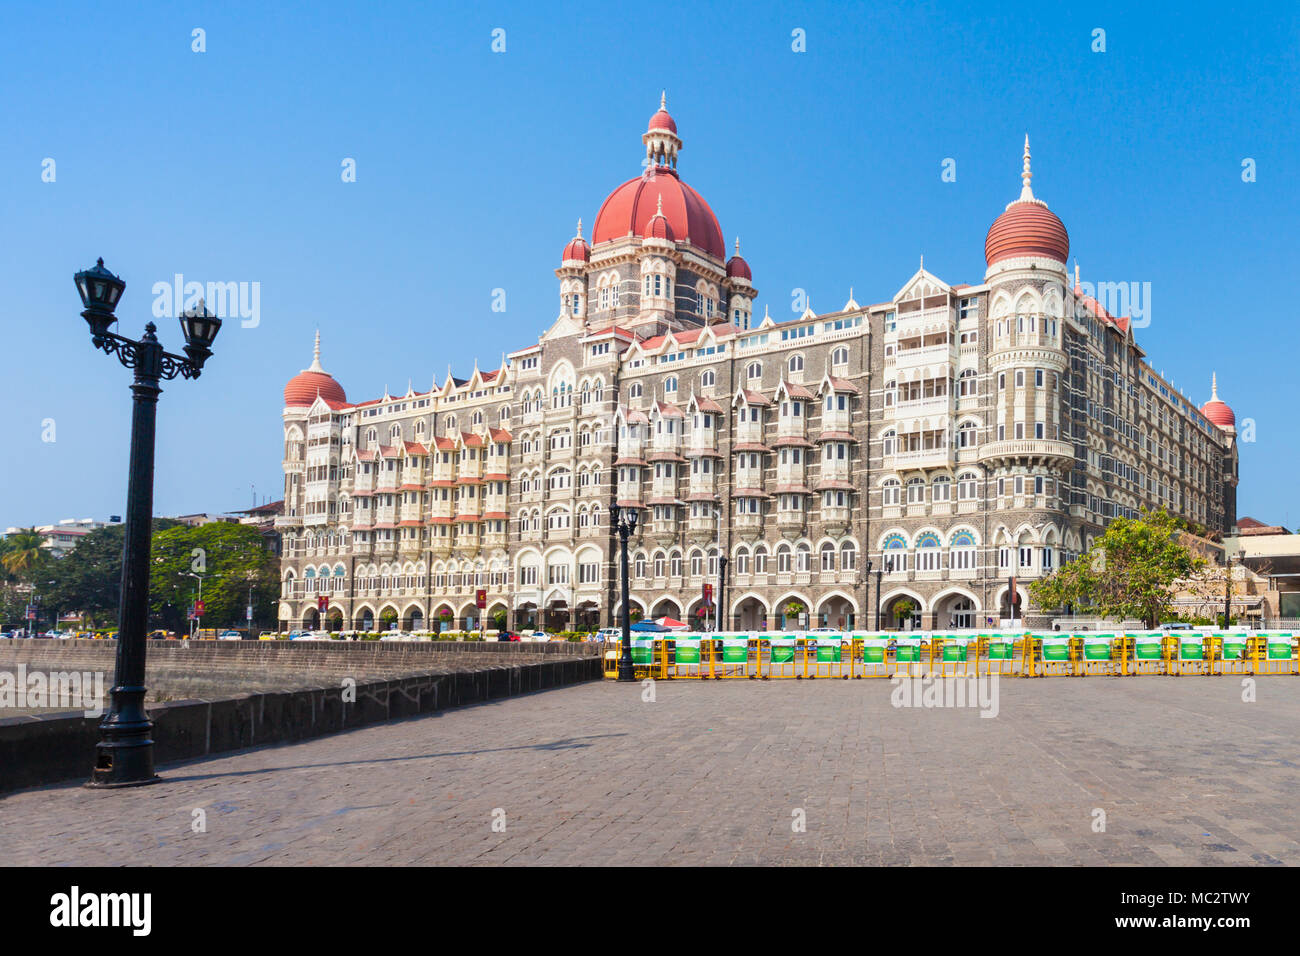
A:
[742,561]
[796,363]
[848,557]
[670,383]
[889,441]
[942,488]
[708,379]
[927,552]
[961,549]
[635,391]
[890,491]
[915,491]
[840,356]
[966,432]
[754,371]
[783,559]
[760,560]
[894,553]
[828,556]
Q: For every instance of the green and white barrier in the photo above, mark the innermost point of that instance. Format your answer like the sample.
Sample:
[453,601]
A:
[1097,647]
[1056,650]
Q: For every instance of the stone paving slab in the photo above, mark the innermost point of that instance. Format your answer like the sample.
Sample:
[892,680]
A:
[713,773]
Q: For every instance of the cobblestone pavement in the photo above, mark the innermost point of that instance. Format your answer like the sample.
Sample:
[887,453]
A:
[1185,772]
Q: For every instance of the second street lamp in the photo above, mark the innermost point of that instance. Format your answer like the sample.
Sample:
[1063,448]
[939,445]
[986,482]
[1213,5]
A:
[124,754]
[623,521]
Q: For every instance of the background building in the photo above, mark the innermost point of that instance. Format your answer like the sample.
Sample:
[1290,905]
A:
[953,438]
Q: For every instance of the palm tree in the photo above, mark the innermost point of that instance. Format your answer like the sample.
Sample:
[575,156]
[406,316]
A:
[21,551]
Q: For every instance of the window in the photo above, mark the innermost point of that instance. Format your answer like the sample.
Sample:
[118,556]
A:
[828,556]
[890,491]
[796,363]
[840,356]
[670,383]
[754,370]
[942,488]
[915,491]
[708,379]
[928,553]
[848,557]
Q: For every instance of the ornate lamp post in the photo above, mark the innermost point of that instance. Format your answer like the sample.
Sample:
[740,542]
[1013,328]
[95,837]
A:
[124,754]
[721,617]
[1239,554]
[623,520]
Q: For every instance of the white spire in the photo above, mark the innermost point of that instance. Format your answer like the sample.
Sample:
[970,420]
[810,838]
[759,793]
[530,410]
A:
[579,236]
[663,100]
[738,245]
[1214,386]
[315,357]
[1076,273]
[1026,193]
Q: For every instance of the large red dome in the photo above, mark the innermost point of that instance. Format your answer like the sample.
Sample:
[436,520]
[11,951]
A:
[1216,409]
[312,381]
[303,388]
[1027,229]
[630,207]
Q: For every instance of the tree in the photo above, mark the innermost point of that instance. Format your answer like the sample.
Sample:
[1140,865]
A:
[230,557]
[499,618]
[1131,571]
[21,552]
[903,610]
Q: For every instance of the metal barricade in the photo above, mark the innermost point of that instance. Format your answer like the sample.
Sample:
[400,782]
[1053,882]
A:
[1277,654]
[1148,653]
[827,655]
[907,656]
[1101,655]
[1055,654]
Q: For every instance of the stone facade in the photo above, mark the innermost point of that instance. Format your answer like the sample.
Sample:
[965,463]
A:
[926,449]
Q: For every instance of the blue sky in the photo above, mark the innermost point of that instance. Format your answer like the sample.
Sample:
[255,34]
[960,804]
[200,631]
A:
[473,167]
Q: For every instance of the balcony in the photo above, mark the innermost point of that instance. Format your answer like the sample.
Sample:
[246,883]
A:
[791,523]
[922,458]
[1034,449]
[748,526]
[926,355]
[836,518]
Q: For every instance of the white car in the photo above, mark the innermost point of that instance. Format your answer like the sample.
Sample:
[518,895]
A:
[607,634]
[396,636]
[230,636]
[536,636]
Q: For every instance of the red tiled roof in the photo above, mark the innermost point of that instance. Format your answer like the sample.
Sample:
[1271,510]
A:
[495,515]
[750,493]
[834,485]
[793,490]
[415,448]
[669,410]
[751,446]
[798,391]
[836,436]
[364,455]
[708,405]
[496,476]
[844,385]
[630,461]
[791,441]
[444,444]
[500,434]
[703,453]
[755,398]
[389,451]
[664,456]
[471,440]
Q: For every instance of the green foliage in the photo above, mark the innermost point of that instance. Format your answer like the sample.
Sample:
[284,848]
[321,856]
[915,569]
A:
[231,557]
[1130,571]
[21,553]
[499,618]
[904,609]
[794,608]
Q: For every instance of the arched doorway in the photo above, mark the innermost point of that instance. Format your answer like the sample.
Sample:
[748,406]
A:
[588,616]
[311,619]
[901,612]
[751,614]
[388,618]
[334,620]
[416,620]
[526,617]
[838,612]
[957,611]
[667,607]
[365,620]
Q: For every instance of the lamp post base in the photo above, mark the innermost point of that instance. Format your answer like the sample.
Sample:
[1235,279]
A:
[626,672]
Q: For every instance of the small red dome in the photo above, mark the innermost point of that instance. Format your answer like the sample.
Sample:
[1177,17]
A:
[738,268]
[576,249]
[661,120]
[1217,410]
[1027,228]
[658,227]
[1220,414]
[303,388]
[629,208]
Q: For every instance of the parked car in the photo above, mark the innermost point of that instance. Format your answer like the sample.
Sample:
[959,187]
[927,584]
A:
[535,637]
[230,636]
[507,636]
[607,634]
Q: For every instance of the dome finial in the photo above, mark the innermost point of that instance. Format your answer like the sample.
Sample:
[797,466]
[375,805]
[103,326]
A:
[315,356]
[1214,386]
[659,210]
[1076,273]
[663,100]
[1026,192]
[738,245]
[579,236]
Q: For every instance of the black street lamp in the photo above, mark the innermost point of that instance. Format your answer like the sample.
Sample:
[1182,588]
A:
[879,574]
[721,617]
[623,520]
[124,754]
